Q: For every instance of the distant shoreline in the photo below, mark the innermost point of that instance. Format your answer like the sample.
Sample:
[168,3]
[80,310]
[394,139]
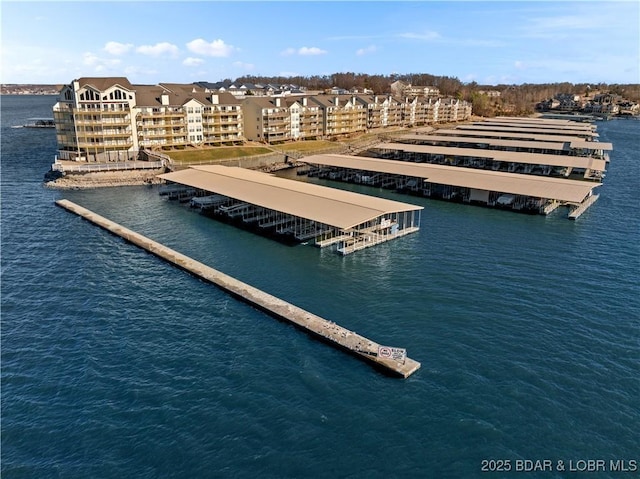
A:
[28,89]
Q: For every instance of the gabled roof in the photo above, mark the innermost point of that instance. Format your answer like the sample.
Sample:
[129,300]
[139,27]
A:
[179,94]
[148,95]
[104,83]
[265,102]
[330,100]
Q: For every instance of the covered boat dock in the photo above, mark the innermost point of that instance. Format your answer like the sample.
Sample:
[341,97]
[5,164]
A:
[537,123]
[510,135]
[519,192]
[297,210]
[542,129]
[578,167]
[554,147]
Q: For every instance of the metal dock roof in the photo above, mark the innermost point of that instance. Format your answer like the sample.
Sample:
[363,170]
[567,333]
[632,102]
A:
[499,155]
[568,126]
[522,129]
[338,208]
[507,134]
[559,146]
[554,144]
[561,189]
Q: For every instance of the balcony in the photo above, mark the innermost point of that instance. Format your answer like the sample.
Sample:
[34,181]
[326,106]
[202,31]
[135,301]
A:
[103,145]
[123,133]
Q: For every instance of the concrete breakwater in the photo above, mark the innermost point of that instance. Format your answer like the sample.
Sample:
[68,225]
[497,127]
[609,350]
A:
[384,358]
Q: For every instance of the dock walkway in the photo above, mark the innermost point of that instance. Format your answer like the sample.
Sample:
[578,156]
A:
[581,208]
[328,331]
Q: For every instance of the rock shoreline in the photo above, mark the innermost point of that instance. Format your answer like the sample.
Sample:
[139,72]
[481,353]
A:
[103,179]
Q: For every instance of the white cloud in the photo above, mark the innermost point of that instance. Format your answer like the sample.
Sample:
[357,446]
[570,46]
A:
[158,49]
[216,48]
[98,65]
[519,65]
[357,37]
[311,51]
[304,51]
[137,72]
[192,62]
[421,36]
[89,59]
[116,48]
[244,66]
[431,36]
[581,19]
[92,60]
[364,51]
[564,23]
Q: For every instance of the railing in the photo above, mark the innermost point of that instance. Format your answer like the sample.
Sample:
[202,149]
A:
[114,166]
[165,159]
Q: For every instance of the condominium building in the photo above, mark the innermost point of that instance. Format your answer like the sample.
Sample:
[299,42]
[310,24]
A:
[342,115]
[382,111]
[277,119]
[404,90]
[95,118]
[109,119]
[267,119]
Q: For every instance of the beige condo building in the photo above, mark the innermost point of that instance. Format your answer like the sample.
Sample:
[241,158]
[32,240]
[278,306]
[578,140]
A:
[109,119]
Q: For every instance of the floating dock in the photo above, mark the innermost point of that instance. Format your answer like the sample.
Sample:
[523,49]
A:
[392,361]
[577,211]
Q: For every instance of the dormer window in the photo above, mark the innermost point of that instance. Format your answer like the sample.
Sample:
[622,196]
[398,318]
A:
[117,95]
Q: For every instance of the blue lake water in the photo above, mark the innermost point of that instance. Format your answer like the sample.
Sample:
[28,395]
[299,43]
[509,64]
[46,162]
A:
[116,364]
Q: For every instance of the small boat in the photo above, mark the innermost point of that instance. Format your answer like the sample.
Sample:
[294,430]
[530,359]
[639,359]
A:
[38,123]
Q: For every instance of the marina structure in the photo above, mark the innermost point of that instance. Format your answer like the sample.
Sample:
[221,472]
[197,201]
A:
[390,360]
[526,165]
[543,145]
[577,167]
[293,210]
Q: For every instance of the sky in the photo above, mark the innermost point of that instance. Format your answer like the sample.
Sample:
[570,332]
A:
[149,42]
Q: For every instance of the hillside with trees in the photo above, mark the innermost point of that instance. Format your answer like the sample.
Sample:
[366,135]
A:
[513,99]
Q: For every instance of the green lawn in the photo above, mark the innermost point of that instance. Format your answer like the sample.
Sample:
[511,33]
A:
[213,154]
[196,156]
[304,146]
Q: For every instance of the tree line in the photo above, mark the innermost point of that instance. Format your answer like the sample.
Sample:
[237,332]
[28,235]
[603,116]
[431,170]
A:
[513,99]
